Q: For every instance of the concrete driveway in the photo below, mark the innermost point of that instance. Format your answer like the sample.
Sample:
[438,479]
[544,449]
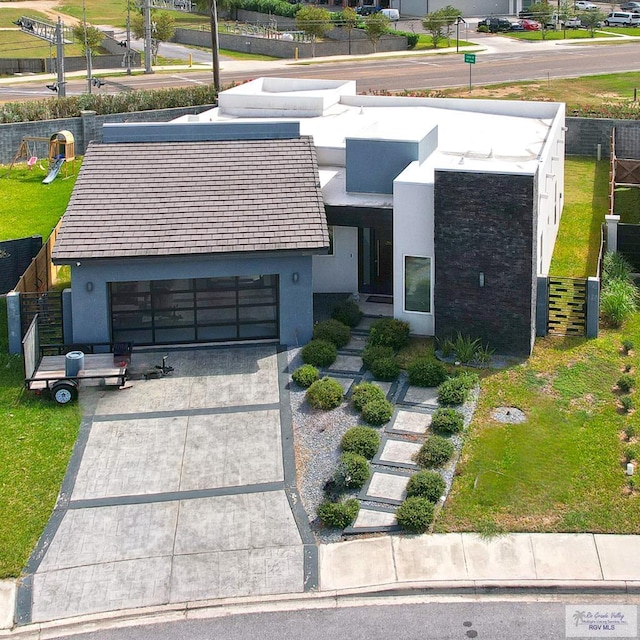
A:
[177,492]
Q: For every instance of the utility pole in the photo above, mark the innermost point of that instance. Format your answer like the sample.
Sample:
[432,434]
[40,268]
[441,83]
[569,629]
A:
[215,50]
[147,37]
[87,49]
[128,37]
[62,90]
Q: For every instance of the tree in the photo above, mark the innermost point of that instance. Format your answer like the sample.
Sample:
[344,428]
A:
[211,7]
[375,26]
[315,22]
[162,29]
[450,15]
[349,22]
[591,20]
[94,37]
[542,13]
[434,23]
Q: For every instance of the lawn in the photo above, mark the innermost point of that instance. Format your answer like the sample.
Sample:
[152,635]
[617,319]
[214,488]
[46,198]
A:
[16,44]
[562,469]
[28,206]
[8,16]
[627,204]
[586,204]
[569,34]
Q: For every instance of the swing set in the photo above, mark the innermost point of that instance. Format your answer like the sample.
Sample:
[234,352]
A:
[59,148]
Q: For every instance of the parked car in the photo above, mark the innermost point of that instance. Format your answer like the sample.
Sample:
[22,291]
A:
[516,26]
[392,14]
[622,19]
[367,10]
[583,5]
[630,6]
[530,25]
[571,23]
[493,25]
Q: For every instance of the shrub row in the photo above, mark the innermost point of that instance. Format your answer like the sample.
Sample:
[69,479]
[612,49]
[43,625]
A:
[107,104]
[332,331]
[455,390]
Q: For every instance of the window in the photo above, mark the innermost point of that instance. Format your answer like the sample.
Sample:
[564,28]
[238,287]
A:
[417,284]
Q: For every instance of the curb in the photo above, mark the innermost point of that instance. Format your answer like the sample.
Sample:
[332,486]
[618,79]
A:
[318,600]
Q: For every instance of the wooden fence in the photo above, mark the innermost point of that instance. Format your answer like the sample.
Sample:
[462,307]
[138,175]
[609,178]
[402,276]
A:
[41,274]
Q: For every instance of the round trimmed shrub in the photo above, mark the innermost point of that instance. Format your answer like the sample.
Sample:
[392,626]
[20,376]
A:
[332,331]
[361,440]
[319,353]
[415,514]
[447,421]
[386,369]
[426,372]
[338,515]
[364,392]
[305,375]
[377,412]
[353,470]
[389,332]
[626,382]
[434,452]
[372,353]
[325,394]
[426,484]
[453,391]
[348,312]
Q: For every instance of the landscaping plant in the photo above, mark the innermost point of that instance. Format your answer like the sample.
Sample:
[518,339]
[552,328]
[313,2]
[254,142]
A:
[434,452]
[626,383]
[332,331]
[627,403]
[305,375]
[447,421]
[415,514]
[465,348]
[353,471]
[348,312]
[386,369]
[372,353]
[389,332]
[319,353]
[426,484]
[426,372]
[364,393]
[338,515]
[377,412]
[325,394]
[361,440]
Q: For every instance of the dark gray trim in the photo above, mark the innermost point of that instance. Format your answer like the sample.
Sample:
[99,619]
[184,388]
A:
[24,600]
[391,472]
[387,463]
[311,579]
[178,413]
[361,217]
[172,496]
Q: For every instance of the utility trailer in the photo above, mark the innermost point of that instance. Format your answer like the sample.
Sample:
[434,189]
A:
[100,363]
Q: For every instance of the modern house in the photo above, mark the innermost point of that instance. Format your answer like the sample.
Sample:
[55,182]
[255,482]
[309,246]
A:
[212,227]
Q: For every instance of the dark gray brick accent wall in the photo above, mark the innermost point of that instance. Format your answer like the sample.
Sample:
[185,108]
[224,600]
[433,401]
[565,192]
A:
[486,223]
[585,134]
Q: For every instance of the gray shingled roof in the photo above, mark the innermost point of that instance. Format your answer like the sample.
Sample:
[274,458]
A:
[165,199]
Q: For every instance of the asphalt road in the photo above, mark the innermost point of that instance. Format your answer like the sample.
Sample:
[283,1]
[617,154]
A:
[393,74]
[458,620]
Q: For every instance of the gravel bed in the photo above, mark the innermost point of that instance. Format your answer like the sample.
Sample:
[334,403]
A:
[317,436]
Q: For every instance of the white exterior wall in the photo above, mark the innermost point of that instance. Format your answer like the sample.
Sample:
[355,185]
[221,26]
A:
[413,233]
[550,181]
[338,273]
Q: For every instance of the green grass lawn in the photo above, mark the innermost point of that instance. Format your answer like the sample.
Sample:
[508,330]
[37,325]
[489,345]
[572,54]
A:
[569,34]
[586,204]
[15,44]
[8,16]
[627,204]
[28,206]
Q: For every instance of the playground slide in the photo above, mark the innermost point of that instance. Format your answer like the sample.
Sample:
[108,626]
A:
[53,172]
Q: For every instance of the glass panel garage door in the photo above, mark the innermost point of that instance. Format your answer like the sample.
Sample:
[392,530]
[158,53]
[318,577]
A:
[195,310]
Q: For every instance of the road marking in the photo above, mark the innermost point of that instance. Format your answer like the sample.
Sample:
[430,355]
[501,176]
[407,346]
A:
[188,79]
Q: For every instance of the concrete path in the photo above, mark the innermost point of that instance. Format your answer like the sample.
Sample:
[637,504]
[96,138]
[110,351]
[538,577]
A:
[467,561]
[177,492]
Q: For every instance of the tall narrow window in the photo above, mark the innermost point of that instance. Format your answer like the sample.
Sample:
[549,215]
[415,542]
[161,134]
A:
[417,284]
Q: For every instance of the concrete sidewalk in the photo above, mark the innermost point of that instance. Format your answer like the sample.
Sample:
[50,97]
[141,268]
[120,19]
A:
[467,561]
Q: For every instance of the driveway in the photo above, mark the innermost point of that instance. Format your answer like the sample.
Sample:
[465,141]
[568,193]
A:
[178,491]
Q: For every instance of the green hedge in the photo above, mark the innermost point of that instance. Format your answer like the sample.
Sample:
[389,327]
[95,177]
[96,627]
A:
[107,104]
[276,7]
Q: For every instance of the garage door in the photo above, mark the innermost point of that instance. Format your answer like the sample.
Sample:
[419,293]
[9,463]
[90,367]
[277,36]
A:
[195,310]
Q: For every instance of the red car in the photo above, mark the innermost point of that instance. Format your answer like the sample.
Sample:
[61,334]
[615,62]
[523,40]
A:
[529,25]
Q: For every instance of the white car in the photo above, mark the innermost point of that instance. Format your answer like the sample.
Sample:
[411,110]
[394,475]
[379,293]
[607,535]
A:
[583,5]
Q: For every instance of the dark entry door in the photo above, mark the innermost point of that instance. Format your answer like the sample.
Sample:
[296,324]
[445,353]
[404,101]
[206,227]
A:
[375,264]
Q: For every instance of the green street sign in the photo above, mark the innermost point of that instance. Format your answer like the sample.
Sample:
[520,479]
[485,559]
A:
[470,58]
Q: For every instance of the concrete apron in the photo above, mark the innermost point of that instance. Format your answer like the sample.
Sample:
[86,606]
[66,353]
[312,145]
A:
[180,489]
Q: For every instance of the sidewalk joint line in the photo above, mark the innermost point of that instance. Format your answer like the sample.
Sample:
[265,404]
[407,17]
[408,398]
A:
[177,413]
[595,544]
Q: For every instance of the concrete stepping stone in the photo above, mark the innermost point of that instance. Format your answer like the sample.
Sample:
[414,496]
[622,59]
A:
[422,396]
[413,422]
[351,364]
[373,519]
[385,486]
[394,452]
[345,383]
[357,343]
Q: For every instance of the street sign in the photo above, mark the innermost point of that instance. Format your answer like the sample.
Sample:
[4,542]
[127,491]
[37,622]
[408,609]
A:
[470,58]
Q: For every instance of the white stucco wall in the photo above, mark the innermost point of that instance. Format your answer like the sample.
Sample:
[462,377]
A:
[413,233]
[338,273]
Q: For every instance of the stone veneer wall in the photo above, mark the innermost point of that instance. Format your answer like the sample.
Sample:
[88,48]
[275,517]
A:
[486,223]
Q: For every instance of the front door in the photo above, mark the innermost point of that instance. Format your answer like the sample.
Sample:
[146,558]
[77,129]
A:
[375,264]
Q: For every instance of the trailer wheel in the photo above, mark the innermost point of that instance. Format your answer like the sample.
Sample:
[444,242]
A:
[64,392]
